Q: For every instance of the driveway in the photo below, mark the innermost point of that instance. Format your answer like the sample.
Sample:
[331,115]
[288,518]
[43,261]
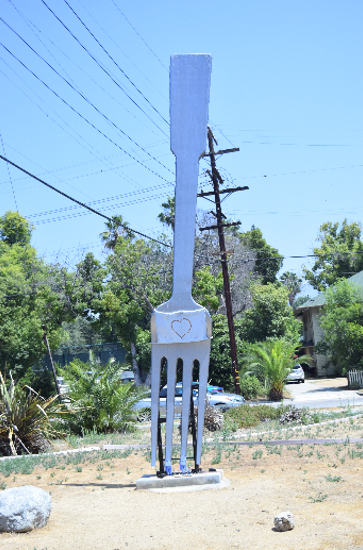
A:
[323,393]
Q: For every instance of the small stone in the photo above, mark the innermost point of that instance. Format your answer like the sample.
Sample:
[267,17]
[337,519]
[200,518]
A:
[284,521]
[23,509]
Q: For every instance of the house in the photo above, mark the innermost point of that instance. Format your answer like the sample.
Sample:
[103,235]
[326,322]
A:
[312,333]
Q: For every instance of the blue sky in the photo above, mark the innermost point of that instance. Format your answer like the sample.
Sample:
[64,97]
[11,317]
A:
[286,88]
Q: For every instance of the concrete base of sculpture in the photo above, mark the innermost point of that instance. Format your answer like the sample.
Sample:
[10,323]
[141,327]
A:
[183,482]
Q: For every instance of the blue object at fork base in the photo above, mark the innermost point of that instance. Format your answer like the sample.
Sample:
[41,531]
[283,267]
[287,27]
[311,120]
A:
[168,468]
[183,464]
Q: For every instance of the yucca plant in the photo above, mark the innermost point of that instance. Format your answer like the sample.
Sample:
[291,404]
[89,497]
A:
[272,360]
[104,403]
[25,416]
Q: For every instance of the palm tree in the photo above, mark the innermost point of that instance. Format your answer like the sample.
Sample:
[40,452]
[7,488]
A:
[293,283]
[273,360]
[116,226]
[168,216]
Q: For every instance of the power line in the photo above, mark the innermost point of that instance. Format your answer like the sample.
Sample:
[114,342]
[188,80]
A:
[100,66]
[83,97]
[82,117]
[11,181]
[30,24]
[139,35]
[109,199]
[80,203]
[115,63]
[44,112]
[123,53]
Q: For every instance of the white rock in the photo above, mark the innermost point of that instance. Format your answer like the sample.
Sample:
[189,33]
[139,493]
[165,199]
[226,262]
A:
[284,521]
[24,508]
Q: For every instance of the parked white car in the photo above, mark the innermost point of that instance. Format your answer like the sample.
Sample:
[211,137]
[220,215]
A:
[63,387]
[220,400]
[296,375]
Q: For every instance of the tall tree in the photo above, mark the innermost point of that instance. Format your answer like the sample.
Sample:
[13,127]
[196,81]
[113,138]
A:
[293,283]
[270,316]
[167,216]
[241,263]
[139,278]
[342,323]
[339,255]
[26,301]
[115,227]
[268,260]
[15,229]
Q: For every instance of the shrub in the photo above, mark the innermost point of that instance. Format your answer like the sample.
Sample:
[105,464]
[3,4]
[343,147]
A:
[25,417]
[247,416]
[104,403]
[251,387]
[272,360]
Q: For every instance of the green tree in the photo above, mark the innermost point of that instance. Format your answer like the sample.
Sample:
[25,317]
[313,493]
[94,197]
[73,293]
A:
[342,322]
[139,279]
[115,227]
[220,367]
[270,316]
[15,229]
[34,293]
[268,261]
[167,216]
[293,283]
[207,289]
[339,255]
[24,301]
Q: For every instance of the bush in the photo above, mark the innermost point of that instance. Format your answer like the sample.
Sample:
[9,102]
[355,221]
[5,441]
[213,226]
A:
[104,403]
[247,416]
[25,419]
[41,381]
[251,387]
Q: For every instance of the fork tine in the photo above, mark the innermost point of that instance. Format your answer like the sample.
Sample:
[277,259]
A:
[187,388]
[172,359]
[157,353]
[203,352]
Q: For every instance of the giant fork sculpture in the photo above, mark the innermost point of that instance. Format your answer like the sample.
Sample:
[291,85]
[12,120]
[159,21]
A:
[180,328]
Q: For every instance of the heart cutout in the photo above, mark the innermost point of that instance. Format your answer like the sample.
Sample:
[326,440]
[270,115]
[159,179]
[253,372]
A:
[182,327]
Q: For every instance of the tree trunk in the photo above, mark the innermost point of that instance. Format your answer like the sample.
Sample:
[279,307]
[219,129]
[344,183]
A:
[276,395]
[135,366]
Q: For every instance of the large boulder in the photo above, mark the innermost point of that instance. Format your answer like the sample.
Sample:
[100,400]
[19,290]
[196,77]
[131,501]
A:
[24,508]
[284,521]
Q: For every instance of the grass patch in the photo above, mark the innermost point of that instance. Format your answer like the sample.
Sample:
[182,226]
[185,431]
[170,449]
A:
[247,416]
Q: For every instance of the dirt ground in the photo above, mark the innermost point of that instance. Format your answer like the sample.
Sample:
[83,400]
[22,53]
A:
[96,506]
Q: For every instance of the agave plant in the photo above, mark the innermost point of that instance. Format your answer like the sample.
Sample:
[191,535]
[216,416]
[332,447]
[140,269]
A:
[25,416]
[271,361]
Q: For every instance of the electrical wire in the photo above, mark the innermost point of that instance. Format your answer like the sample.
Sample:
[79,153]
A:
[44,112]
[80,203]
[115,63]
[123,53]
[139,35]
[81,116]
[109,199]
[100,65]
[85,99]
[11,181]
[30,24]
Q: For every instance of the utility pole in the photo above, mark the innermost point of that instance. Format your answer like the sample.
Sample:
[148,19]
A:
[216,180]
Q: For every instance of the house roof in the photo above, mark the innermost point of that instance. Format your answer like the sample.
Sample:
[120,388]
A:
[319,300]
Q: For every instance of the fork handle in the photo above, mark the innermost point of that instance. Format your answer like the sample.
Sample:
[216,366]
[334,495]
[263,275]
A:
[187,166]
